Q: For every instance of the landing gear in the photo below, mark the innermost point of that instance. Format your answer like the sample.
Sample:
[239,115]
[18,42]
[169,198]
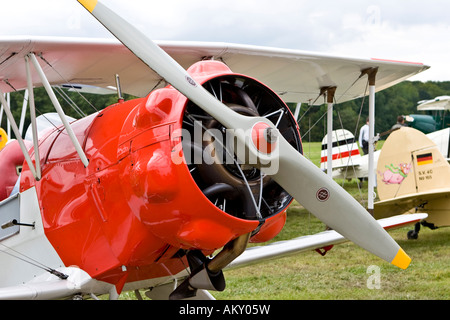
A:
[414,234]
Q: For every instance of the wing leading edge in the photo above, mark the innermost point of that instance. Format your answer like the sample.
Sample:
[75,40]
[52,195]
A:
[297,76]
[320,240]
[49,287]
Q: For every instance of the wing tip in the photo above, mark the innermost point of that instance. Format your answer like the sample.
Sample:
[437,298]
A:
[401,259]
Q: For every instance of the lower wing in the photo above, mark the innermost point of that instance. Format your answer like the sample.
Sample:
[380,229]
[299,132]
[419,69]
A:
[312,242]
[78,282]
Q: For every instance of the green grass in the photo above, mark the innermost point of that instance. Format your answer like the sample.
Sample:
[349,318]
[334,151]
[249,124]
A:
[342,273]
[311,150]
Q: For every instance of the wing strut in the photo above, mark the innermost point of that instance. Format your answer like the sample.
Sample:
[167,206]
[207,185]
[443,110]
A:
[36,170]
[24,111]
[34,132]
[330,97]
[371,73]
[18,136]
[58,108]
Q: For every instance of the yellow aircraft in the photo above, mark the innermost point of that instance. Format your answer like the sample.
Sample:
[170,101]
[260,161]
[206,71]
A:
[413,176]
[3,138]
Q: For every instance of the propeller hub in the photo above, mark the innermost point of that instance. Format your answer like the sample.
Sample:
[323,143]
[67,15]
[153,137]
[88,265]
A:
[264,137]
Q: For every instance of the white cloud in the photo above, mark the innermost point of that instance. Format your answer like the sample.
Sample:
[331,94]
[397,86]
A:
[402,30]
[424,43]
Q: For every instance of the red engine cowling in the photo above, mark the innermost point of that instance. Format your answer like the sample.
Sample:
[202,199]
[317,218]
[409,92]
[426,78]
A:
[190,190]
[145,157]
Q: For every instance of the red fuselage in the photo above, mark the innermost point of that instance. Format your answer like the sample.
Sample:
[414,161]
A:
[125,216]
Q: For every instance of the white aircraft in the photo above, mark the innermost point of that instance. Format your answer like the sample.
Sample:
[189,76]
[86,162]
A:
[348,163]
[103,207]
[345,151]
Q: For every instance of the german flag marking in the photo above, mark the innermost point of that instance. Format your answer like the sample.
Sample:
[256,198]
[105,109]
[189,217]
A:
[426,158]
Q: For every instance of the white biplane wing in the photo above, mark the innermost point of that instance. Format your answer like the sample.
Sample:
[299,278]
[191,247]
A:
[438,103]
[297,76]
[312,242]
[48,286]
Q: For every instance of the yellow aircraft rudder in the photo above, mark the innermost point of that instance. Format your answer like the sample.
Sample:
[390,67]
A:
[410,163]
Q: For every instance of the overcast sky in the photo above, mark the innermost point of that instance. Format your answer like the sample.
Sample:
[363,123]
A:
[406,30]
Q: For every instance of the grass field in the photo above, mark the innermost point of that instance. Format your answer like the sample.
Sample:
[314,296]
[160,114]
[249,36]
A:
[342,274]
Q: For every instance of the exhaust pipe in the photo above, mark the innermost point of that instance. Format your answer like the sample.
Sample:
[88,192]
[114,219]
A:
[231,251]
[207,274]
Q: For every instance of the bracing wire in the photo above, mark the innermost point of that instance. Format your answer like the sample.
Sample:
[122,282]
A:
[68,82]
[69,101]
[33,262]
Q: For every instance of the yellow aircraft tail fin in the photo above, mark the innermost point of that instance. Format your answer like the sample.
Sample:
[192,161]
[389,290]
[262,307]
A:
[410,163]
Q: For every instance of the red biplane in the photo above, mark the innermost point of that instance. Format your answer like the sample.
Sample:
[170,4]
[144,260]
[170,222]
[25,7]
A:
[143,193]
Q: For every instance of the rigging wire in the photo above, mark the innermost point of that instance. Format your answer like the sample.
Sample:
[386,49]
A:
[349,159]
[357,122]
[67,81]
[69,101]
[61,93]
[310,128]
[336,101]
[33,262]
[310,106]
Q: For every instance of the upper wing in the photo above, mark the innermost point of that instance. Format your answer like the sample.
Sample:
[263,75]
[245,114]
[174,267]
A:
[438,103]
[297,76]
[316,241]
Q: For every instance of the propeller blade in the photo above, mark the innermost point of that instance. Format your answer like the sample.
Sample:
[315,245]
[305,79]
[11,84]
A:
[302,179]
[160,62]
[329,202]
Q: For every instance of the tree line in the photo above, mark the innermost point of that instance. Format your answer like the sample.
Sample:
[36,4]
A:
[401,99]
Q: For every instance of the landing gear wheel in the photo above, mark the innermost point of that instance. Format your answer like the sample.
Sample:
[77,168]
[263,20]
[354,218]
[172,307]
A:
[412,235]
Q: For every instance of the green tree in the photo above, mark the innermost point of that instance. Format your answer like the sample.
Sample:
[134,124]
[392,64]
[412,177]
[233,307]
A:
[400,99]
